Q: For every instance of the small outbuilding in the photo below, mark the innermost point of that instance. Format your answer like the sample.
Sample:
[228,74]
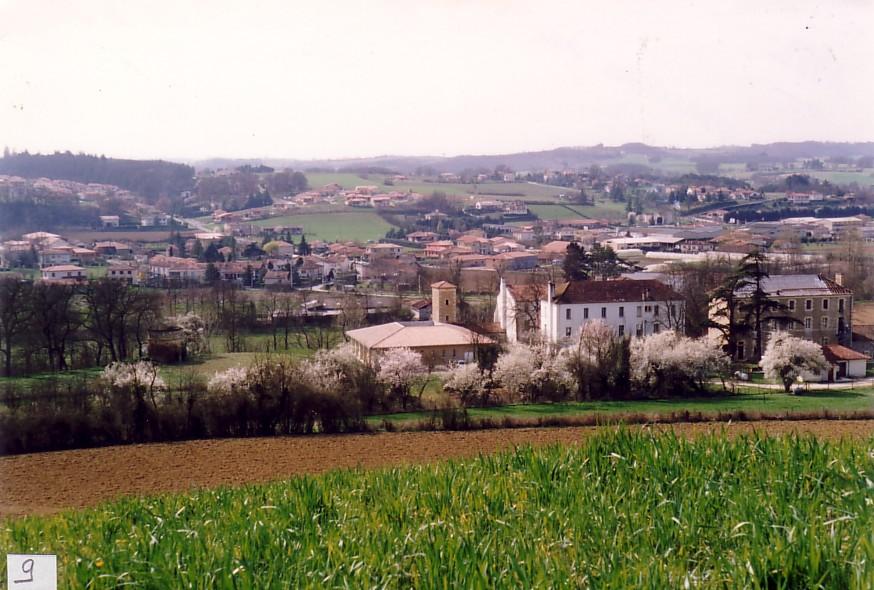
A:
[845,362]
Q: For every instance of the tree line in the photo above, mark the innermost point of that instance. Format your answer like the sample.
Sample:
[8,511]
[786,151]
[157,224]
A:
[53,326]
[149,178]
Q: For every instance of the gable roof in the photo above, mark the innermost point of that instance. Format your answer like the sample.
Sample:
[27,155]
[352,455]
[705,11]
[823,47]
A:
[836,352]
[616,291]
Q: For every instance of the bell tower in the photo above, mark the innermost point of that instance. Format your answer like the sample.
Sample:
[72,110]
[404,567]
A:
[444,303]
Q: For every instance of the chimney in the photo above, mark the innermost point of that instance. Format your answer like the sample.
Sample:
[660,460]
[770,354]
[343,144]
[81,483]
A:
[550,291]
[839,278]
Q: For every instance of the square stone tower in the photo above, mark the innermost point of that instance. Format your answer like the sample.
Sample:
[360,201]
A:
[444,303]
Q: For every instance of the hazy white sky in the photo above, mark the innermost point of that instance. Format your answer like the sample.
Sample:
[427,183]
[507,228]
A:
[340,79]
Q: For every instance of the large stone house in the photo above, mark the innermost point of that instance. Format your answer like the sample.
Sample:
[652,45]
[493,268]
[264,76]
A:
[813,307]
[629,307]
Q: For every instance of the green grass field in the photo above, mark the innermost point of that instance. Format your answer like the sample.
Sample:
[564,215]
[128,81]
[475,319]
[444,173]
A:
[509,190]
[353,225]
[626,509]
[752,400]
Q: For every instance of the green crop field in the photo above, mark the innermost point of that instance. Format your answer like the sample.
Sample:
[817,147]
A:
[626,509]
[555,212]
[352,225]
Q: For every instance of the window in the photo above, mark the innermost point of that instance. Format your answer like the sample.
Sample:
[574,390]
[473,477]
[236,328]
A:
[791,305]
[639,311]
[639,329]
[447,302]
[585,313]
[622,330]
[741,352]
[655,310]
[808,323]
[647,308]
[841,305]
[808,304]
[825,304]
[621,311]
[772,324]
[824,323]
[825,339]
[567,332]
[603,312]
[655,328]
[567,313]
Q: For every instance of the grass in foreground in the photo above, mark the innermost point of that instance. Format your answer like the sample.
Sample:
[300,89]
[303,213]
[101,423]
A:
[626,509]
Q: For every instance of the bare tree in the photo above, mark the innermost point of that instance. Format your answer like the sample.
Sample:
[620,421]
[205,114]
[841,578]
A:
[16,312]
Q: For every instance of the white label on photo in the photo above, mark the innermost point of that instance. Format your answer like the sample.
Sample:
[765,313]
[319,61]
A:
[31,572]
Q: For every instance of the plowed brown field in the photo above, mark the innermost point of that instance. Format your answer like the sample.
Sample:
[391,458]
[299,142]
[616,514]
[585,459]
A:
[49,482]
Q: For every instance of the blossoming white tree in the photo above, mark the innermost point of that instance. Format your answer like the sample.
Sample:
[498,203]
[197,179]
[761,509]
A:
[466,381]
[532,372]
[669,362]
[788,357]
[194,332]
[229,380]
[141,375]
[400,369]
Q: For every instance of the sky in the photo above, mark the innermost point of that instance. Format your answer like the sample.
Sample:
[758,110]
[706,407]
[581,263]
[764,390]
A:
[323,79]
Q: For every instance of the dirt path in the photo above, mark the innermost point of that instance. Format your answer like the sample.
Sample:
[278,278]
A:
[43,483]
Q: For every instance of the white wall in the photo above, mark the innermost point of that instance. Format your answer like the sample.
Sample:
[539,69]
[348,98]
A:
[554,322]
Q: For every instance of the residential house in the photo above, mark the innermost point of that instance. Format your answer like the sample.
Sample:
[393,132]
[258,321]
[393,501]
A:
[122,272]
[173,268]
[377,251]
[55,256]
[813,307]
[64,273]
[109,221]
[630,308]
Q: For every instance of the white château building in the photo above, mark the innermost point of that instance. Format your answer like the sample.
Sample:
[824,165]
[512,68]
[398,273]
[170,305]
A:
[630,307]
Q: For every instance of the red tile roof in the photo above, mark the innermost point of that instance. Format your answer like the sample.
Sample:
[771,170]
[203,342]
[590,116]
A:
[618,291]
[836,352]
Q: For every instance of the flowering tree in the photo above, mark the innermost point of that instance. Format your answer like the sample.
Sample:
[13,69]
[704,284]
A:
[532,372]
[229,380]
[194,331]
[598,362]
[788,357]
[466,381]
[141,376]
[400,369]
[671,363]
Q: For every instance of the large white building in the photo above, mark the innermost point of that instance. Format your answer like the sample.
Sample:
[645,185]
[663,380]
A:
[631,308]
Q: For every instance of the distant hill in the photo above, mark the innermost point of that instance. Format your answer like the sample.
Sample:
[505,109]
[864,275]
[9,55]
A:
[573,157]
[149,178]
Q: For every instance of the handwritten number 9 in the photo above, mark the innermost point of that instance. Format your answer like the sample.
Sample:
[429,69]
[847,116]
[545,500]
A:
[26,568]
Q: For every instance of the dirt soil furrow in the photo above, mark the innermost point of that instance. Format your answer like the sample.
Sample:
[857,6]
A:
[44,483]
